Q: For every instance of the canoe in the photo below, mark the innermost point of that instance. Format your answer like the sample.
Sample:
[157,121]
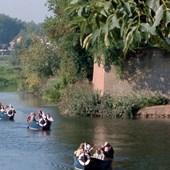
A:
[36,125]
[39,121]
[7,115]
[92,164]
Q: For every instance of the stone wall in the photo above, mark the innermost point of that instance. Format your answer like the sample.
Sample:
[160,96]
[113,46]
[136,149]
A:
[109,81]
[154,112]
[148,70]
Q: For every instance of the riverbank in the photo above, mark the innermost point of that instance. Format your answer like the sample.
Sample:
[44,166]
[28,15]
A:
[83,101]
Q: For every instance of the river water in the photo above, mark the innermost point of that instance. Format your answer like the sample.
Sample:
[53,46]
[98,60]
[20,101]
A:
[138,144]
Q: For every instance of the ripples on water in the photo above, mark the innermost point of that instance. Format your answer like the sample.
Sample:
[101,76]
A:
[139,145]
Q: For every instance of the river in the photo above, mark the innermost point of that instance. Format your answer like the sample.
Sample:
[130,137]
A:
[138,144]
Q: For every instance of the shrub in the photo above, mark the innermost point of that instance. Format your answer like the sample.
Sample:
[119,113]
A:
[80,100]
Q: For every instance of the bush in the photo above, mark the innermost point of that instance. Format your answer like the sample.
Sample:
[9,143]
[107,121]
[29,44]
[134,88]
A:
[127,106]
[80,100]
[9,75]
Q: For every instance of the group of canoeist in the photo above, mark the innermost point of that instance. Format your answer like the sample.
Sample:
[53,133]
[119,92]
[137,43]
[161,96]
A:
[36,120]
[102,152]
[88,157]
[39,120]
[7,111]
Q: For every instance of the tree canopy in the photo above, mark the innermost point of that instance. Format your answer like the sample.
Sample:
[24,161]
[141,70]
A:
[58,29]
[124,24]
[9,28]
[109,27]
[38,61]
[118,24]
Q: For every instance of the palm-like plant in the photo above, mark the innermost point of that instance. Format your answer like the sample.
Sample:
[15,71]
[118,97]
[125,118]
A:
[125,23]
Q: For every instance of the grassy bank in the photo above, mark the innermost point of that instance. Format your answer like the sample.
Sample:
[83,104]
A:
[9,74]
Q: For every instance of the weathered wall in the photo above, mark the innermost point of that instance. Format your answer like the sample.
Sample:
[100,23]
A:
[154,112]
[109,81]
[149,70]
[98,77]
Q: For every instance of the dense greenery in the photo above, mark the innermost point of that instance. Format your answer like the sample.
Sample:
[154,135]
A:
[81,100]
[9,28]
[107,29]
[75,63]
[103,31]
[121,25]
[9,74]
[59,30]
[50,63]
[38,63]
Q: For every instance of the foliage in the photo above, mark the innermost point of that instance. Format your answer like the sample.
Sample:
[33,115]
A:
[118,24]
[127,106]
[67,40]
[82,101]
[9,28]
[66,76]
[38,62]
[32,82]
[56,26]
[9,74]
[33,28]
[52,94]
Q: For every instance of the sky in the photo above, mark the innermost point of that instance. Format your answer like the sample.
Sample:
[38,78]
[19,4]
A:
[25,10]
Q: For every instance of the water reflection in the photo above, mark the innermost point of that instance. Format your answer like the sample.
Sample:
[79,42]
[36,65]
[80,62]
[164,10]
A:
[30,99]
[100,132]
[39,133]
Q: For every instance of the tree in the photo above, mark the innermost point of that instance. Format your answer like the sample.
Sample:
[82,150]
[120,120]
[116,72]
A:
[9,28]
[123,25]
[39,62]
[58,30]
